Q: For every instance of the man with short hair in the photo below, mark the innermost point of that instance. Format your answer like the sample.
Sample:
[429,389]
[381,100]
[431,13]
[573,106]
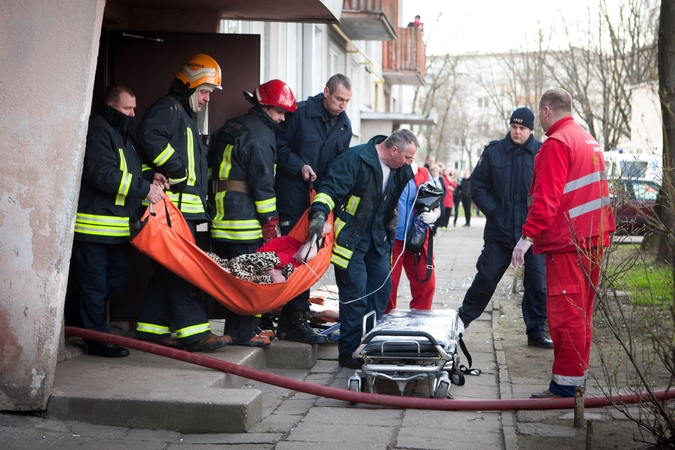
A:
[570,220]
[499,187]
[362,187]
[313,137]
[111,192]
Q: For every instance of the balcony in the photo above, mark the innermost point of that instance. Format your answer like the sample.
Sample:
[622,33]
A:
[403,60]
[369,20]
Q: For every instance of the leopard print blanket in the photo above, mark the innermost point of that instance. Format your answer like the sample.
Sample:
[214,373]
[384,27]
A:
[253,266]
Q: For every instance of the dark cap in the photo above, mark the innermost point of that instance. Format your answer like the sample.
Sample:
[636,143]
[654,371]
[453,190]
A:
[523,116]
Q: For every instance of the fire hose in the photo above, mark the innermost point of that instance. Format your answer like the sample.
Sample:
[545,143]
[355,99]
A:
[363,397]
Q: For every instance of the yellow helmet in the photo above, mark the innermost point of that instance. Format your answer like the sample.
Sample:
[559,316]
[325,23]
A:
[198,70]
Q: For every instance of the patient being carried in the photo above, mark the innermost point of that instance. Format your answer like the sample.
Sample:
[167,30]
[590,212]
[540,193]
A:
[273,262]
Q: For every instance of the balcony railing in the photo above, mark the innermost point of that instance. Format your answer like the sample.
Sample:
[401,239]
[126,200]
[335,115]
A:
[403,60]
[369,20]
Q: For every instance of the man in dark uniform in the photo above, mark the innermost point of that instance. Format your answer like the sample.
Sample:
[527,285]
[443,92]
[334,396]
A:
[363,186]
[173,144]
[242,155]
[111,192]
[313,136]
[499,187]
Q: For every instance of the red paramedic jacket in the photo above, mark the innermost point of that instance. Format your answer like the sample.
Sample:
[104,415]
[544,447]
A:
[569,195]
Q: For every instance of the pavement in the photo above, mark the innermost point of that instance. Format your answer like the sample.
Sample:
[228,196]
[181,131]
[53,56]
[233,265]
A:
[150,402]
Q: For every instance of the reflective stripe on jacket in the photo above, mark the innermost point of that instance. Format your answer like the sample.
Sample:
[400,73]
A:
[244,150]
[112,184]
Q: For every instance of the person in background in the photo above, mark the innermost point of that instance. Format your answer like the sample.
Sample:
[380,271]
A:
[570,221]
[313,137]
[242,156]
[172,144]
[464,193]
[431,160]
[435,172]
[456,197]
[363,186]
[449,199]
[499,186]
[110,194]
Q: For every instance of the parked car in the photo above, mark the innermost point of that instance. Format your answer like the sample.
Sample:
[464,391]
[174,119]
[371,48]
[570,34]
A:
[633,201]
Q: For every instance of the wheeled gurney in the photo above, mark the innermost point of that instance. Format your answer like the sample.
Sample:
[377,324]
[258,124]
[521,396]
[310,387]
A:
[410,345]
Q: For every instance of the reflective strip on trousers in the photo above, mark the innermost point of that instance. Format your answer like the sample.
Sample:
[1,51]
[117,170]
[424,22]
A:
[152,328]
[192,330]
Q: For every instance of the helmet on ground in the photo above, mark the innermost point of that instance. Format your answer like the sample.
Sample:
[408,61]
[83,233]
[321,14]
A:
[198,70]
[276,93]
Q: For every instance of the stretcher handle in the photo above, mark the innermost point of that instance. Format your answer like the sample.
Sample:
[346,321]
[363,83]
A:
[311,244]
[411,333]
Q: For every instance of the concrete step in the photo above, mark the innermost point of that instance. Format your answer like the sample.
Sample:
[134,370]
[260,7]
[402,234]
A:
[144,390]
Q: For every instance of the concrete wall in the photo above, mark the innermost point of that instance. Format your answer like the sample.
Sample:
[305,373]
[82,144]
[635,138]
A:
[48,51]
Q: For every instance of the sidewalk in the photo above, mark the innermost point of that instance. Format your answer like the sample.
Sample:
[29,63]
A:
[293,420]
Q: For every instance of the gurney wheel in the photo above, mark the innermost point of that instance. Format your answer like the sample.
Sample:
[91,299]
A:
[442,388]
[355,384]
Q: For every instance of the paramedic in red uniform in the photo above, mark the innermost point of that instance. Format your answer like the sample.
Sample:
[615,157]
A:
[569,221]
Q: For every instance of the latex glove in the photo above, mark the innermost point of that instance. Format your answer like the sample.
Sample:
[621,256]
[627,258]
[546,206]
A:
[317,223]
[269,230]
[178,180]
[428,217]
[518,255]
[393,223]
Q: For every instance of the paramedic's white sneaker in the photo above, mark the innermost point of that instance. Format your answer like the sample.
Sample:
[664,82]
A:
[349,362]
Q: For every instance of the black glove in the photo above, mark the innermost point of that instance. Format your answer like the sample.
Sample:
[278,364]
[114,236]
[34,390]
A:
[317,223]
[393,223]
[178,180]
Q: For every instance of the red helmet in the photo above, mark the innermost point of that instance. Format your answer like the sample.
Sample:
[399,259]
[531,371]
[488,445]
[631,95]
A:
[276,93]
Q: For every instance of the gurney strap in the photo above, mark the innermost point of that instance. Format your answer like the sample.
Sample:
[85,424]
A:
[430,258]
[462,367]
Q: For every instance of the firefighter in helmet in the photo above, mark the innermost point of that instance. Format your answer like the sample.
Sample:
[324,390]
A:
[242,157]
[172,145]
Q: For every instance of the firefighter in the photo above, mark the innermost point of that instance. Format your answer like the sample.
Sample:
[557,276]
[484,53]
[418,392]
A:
[242,156]
[363,186]
[111,192]
[173,145]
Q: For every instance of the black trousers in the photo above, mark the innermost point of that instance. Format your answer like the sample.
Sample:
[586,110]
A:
[238,327]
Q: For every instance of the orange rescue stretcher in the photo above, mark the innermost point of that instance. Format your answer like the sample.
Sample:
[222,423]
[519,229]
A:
[166,238]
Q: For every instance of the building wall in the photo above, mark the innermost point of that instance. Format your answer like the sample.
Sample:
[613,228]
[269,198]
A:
[48,50]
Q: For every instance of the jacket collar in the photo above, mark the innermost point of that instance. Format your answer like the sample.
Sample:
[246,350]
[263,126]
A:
[261,115]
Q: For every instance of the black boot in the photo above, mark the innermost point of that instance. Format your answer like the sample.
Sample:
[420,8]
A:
[300,331]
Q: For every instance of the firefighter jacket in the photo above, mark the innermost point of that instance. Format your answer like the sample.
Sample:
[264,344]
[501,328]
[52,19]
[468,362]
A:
[353,188]
[243,150]
[171,143]
[500,184]
[311,136]
[569,196]
[112,185]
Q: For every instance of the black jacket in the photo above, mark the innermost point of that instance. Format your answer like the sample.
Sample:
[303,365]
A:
[244,149]
[500,185]
[112,184]
[353,187]
[172,143]
[310,137]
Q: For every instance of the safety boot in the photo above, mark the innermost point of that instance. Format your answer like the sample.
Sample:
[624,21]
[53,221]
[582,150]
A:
[300,331]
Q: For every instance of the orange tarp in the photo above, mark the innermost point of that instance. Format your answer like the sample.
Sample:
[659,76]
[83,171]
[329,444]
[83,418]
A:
[174,248]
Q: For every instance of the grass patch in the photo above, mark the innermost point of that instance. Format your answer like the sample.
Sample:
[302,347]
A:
[646,282]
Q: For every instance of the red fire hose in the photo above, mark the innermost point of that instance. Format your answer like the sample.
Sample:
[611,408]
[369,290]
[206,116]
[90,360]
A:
[362,397]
